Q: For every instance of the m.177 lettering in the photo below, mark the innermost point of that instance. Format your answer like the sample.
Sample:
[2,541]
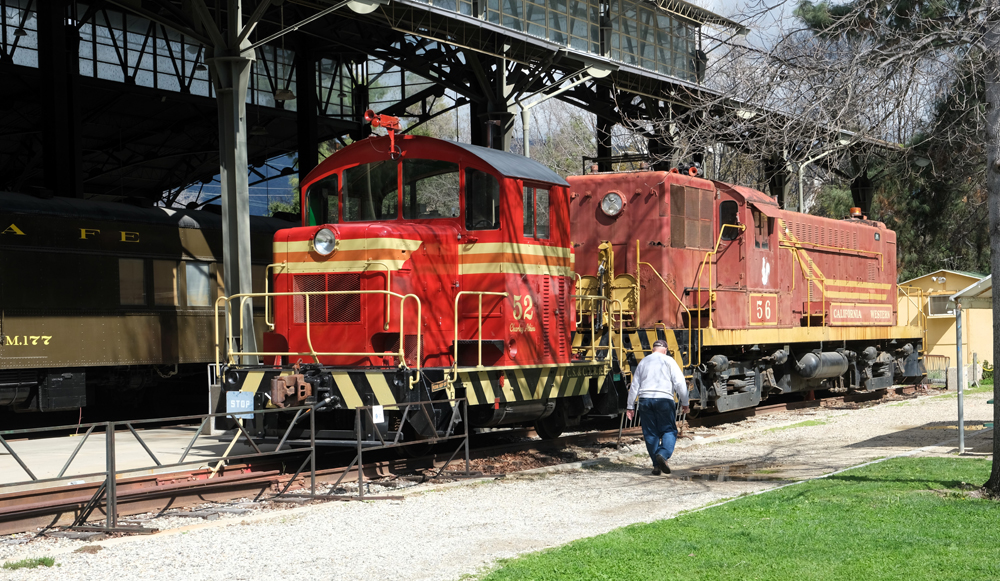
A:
[24,340]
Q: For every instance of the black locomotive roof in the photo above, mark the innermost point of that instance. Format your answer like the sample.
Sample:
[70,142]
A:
[93,210]
[512,165]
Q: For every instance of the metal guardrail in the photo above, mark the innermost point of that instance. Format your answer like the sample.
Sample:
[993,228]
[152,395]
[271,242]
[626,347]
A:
[107,491]
[460,411]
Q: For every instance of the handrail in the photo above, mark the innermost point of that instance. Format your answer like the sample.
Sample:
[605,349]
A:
[267,288]
[921,315]
[638,265]
[479,329]
[611,325]
[232,353]
[798,245]
[701,269]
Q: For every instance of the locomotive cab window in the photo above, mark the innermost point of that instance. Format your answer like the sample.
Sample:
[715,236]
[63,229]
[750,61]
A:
[762,227]
[321,198]
[482,200]
[536,212]
[371,192]
[729,216]
[430,189]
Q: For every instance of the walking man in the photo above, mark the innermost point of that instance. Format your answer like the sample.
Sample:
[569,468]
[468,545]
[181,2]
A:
[654,383]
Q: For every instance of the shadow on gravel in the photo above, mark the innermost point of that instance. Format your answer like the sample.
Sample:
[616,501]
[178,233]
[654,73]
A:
[918,436]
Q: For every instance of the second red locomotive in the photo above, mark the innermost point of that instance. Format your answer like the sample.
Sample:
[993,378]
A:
[427,269]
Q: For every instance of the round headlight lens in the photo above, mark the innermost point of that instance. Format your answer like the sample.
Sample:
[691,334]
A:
[324,241]
[612,204]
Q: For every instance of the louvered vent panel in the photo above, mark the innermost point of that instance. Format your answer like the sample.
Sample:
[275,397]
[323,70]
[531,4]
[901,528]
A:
[562,300]
[546,318]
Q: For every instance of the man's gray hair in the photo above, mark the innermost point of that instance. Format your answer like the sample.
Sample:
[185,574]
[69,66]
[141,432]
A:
[659,343]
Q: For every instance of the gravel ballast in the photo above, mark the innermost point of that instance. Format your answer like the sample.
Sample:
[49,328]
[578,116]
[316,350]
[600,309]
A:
[450,530]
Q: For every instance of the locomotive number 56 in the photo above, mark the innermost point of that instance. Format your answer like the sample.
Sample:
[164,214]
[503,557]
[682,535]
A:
[763,309]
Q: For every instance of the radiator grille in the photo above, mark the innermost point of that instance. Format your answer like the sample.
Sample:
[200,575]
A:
[548,333]
[328,308]
[554,298]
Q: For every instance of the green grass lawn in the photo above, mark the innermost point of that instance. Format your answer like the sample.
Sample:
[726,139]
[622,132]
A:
[900,519]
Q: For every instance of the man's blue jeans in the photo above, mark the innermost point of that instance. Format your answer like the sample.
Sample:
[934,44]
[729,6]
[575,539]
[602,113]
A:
[659,426]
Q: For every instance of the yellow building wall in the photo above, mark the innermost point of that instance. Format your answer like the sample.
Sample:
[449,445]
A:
[977,324]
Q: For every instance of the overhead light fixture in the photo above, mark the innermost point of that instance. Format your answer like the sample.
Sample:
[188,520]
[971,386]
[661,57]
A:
[20,32]
[259,131]
[200,67]
[365,6]
[284,95]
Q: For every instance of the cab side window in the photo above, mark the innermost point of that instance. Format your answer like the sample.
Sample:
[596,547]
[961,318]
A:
[482,200]
[536,212]
[729,215]
[761,230]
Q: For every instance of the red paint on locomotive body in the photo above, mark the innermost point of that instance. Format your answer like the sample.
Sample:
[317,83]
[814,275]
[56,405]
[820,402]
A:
[433,220]
[770,267]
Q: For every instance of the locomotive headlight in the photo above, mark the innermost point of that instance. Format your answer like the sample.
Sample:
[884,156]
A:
[324,241]
[612,204]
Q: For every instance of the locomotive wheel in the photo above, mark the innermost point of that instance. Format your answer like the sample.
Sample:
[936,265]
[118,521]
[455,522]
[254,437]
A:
[548,428]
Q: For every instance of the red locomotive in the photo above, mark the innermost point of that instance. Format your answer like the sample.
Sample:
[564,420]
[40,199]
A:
[426,269]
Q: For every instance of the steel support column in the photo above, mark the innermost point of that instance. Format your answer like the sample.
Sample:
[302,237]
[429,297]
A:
[58,64]
[604,147]
[230,75]
[306,112]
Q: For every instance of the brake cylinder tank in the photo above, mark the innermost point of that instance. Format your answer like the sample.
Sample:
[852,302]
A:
[822,365]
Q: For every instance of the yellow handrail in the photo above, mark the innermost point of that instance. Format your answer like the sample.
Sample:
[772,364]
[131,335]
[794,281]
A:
[798,244]
[701,269]
[232,354]
[611,325]
[921,315]
[267,289]
[479,330]
[638,265]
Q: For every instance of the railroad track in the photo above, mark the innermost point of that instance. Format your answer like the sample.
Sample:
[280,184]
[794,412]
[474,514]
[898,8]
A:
[47,508]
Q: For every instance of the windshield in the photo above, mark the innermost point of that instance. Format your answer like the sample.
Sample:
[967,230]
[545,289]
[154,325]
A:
[371,192]
[430,189]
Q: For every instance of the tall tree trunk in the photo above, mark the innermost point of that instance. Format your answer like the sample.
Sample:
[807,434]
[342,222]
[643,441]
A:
[992,65]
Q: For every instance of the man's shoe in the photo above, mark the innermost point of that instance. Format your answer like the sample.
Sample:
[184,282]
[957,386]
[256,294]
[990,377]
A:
[661,463]
[656,472]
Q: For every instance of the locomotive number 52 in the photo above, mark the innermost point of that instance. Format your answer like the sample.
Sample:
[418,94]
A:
[523,308]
